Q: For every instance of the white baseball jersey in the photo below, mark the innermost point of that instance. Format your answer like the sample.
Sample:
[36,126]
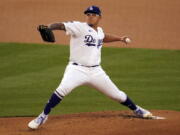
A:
[85,43]
[85,49]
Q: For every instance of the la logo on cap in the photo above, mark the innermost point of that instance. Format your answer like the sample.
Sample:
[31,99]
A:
[91,8]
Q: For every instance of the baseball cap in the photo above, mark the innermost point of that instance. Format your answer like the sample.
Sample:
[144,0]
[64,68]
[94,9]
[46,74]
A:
[93,9]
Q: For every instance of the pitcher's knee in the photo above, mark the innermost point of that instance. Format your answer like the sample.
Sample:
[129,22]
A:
[120,97]
[63,90]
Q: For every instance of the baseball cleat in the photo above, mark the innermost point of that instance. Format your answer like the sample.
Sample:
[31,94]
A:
[41,119]
[142,113]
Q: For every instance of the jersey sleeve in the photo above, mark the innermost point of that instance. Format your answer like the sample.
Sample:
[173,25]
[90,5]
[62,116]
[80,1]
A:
[73,28]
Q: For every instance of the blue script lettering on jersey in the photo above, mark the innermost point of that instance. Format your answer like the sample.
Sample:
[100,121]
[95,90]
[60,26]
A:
[89,40]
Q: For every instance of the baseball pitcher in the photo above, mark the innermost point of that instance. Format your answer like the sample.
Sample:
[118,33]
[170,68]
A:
[86,39]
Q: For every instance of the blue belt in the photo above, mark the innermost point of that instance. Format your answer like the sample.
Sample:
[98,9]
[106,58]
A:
[74,63]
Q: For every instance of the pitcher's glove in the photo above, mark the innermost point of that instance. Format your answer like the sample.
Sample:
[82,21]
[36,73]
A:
[46,33]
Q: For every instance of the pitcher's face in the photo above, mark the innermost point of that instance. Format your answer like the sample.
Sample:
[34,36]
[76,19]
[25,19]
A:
[92,18]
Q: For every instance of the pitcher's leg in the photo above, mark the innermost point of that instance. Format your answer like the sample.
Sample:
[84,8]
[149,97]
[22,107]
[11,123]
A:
[72,78]
[103,83]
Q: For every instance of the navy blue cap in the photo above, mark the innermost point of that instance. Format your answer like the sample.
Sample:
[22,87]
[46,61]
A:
[93,9]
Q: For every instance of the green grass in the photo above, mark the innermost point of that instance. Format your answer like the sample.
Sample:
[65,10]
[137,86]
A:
[29,73]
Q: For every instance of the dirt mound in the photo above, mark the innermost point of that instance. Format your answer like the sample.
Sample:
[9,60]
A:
[151,24]
[96,123]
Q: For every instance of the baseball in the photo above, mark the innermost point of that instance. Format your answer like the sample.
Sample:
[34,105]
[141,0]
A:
[128,40]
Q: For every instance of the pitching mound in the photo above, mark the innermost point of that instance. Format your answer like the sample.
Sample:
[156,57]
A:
[96,123]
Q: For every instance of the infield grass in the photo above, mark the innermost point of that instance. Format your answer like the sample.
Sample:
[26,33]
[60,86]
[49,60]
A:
[29,73]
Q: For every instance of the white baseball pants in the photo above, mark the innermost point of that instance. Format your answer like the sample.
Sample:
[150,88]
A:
[76,75]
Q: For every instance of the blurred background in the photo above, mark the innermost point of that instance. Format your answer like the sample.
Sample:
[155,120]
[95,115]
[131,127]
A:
[150,24]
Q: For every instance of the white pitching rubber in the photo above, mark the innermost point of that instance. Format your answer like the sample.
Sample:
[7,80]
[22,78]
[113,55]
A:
[154,117]
[158,118]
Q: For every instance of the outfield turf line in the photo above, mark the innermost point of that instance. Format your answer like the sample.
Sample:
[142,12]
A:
[29,73]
